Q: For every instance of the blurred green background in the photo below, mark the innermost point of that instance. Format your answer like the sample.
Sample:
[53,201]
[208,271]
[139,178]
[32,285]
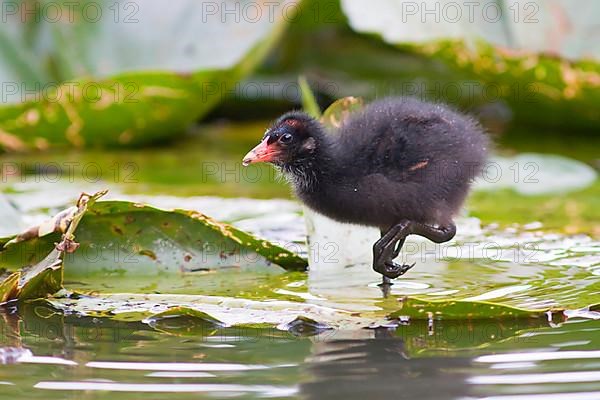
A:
[168,99]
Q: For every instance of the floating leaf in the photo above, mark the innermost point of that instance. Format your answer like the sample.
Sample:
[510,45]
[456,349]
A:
[45,277]
[184,321]
[203,314]
[513,285]
[460,310]
[139,239]
[227,310]
[526,269]
[132,240]
[485,273]
[303,326]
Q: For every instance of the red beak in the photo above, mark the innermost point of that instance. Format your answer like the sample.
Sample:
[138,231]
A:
[263,152]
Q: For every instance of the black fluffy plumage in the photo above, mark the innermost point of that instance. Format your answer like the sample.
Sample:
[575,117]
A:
[397,159]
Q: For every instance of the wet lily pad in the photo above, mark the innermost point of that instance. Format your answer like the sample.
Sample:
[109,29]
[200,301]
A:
[484,274]
[303,326]
[467,280]
[132,238]
[227,310]
[45,277]
[184,321]
[195,313]
[460,310]
[136,243]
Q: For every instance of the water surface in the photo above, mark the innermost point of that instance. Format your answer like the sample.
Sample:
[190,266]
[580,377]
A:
[51,356]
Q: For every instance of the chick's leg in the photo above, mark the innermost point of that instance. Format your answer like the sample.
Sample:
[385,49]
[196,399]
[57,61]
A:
[390,244]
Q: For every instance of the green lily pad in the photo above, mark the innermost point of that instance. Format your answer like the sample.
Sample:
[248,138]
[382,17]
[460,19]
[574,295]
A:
[145,247]
[184,321]
[547,77]
[460,310]
[138,74]
[45,277]
[439,288]
[129,238]
[201,313]
[227,310]
[346,297]
[522,27]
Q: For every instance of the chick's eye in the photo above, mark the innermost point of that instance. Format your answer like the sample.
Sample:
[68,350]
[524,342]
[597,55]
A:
[286,138]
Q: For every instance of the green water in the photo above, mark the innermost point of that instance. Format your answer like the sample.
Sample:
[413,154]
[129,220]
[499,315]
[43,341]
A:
[448,360]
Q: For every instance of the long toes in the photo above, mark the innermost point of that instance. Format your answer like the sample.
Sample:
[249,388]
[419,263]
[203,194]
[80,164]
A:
[393,270]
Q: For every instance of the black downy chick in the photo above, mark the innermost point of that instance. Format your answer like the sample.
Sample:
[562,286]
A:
[401,164]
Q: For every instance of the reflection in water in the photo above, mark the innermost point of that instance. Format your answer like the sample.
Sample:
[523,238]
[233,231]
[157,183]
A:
[56,356]
[146,366]
[264,391]
[380,368]
[559,377]
[12,355]
[102,358]
[539,356]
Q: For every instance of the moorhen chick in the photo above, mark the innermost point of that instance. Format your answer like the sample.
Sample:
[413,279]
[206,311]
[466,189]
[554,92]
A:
[400,164]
